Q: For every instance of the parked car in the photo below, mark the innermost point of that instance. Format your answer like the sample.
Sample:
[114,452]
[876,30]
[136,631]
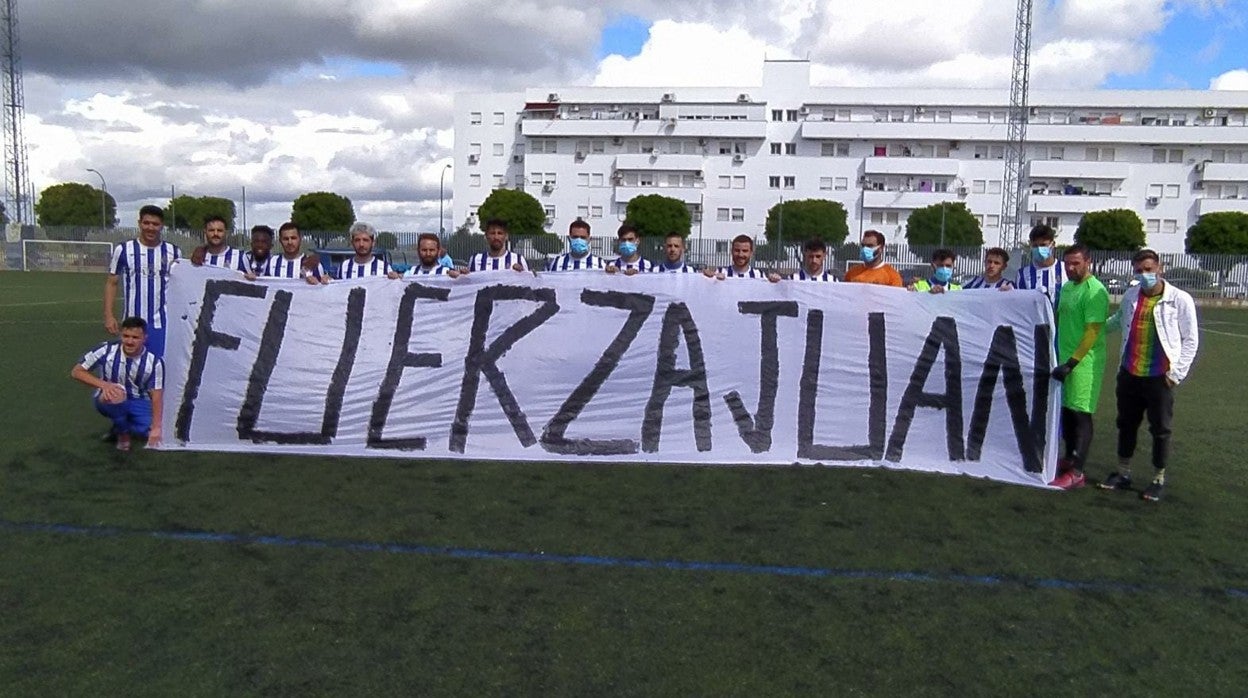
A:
[1234,289]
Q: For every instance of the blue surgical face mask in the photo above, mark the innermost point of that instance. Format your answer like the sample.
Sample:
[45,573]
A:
[1041,254]
[1147,279]
[628,249]
[579,246]
[943,275]
[868,254]
[446,261]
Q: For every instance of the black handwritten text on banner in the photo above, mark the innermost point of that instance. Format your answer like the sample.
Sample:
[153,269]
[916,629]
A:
[672,368]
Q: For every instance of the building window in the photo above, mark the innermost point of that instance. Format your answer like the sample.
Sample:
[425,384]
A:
[776,148]
[738,215]
[725,181]
[1167,155]
[790,115]
[978,186]
[1152,226]
[582,212]
[825,183]
[994,186]
[841,183]
[582,179]
[738,182]
[519,181]
[1169,226]
[721,214]
[1155,191]
[474,118]
[1100,154]
[790,182]
[595,212]
[499,118]
[474,149]
[499,181]
[790,149]
[992,220]
[1172,191]
[498,150]
[777,115]
[474,180]
[596,179]
[598,146]
[773,182]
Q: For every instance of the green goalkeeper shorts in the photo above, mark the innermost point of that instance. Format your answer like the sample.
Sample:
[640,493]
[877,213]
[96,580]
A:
[1082,388]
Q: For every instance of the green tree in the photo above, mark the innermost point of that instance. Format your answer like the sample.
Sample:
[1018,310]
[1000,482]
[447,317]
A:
[1118,230]
[74,204]
[803,219]
[655,215]
[1217,235]
[322,211]
[547,243]
[523,213]
[961,228]
[387,241]
[1225,232]
[189,212]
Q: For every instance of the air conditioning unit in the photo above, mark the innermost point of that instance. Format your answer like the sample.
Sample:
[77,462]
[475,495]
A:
[1034,111]
[804,111]
[669,97]
[474,159]
[1153,200]
[517,158]
[580,155]
[1210,112]
[1198,184]
[963,191]
[672,120]
[1200,166]
[617,141]
[953,145]
[743,97]
[920,110]
[697,174]
[574,107]
[701,141]
[738,158]
[552,97]
[614,108]
[548,188]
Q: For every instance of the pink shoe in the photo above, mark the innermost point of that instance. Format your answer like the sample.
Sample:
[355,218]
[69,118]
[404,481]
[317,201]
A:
[123,442]
[1064,465]
[1069,480]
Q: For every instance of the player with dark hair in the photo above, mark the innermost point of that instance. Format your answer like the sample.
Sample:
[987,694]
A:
[292,263]
[1044,274]
[995,262]
[630,260]
[497,256]
[941,279]
[814,262]
[874,270]
[261,249]
[143,264]
[578,257]
[1082,308]
[674,255]
[129,384]
[215,252]
[428,250]
[742,266]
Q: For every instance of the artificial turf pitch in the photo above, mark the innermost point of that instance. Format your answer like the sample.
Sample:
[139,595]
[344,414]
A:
[550,579]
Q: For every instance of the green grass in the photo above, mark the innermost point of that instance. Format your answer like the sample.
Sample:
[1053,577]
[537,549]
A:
[135,615]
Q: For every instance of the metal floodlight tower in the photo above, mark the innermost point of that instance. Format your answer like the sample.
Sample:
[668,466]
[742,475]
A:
[1012,202]
[18,198]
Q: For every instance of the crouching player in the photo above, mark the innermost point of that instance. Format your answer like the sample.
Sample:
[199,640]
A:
[129,384]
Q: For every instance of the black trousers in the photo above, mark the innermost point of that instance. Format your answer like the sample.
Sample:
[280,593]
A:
[1138,397]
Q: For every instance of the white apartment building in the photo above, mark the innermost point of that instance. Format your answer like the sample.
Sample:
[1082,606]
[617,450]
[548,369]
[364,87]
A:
[732,153]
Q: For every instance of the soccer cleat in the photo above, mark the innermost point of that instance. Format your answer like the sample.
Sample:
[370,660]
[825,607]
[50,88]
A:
[123,442]
[1064,465]
[1116,481]
[1070,480]
[1152,493]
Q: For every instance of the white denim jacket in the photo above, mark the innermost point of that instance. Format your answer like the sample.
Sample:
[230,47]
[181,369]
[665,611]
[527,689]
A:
[1174,316]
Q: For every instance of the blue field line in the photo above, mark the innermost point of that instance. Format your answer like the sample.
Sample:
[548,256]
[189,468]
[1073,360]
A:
[601,561]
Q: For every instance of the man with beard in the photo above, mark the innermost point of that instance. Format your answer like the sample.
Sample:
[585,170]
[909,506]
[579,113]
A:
[429,250]
[214,252]
[497,257]
[364,263]
[292,263]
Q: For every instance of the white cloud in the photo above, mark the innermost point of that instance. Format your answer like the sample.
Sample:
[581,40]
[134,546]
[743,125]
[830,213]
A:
[1231,80]
[680,54]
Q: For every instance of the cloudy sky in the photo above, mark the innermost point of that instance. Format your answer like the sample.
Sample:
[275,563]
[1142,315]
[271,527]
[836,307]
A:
[355,96]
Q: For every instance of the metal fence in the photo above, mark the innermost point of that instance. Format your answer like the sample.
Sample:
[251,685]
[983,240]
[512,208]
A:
[1203,275]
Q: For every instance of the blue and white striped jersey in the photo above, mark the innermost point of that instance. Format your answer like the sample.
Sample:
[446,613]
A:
[566,262]
[642,264]
[139,374]
[351,269]
[1047,280]
[145,274]
[482,261]
[421,270]
[229,259]
[253,265]
[980,282]
[801,275]
[278,267]
[750,273]
[683,268]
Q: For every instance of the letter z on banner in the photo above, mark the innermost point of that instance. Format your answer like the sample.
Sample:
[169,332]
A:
[663,368]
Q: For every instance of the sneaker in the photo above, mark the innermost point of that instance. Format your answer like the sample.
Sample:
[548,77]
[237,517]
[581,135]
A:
[1116,481]
[1152,493]
[1064,465]
[123,442]
[1070,480]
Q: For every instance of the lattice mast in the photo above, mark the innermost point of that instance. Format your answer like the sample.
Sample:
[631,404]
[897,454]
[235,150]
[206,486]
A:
[1012,200]
[18,198]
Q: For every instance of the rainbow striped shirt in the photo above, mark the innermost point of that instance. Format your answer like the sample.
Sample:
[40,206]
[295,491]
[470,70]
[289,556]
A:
[1144,356]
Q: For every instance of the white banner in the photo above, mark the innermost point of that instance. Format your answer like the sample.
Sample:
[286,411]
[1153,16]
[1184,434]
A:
[662,368]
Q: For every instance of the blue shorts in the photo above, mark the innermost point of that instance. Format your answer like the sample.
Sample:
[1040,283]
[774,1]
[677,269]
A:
[134,416]
[156,340]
